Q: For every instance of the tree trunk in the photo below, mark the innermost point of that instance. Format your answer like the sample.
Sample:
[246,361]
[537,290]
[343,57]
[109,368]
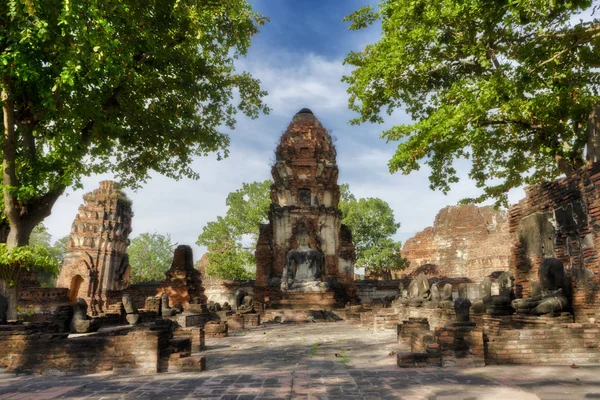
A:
[593,135]
[22,217]
[11,294]
[20,231]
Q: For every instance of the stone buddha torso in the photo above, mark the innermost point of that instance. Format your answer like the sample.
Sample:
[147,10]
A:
[303,268]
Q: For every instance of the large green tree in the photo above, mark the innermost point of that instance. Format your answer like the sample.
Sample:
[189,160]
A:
[124,86]
[231,240]
[511,85]
[150,256]
[373,224]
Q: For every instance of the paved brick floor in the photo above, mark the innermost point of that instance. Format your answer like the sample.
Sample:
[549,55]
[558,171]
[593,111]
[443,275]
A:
[314,361]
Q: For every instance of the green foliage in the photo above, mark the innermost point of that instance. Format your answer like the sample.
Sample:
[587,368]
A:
[41,238]
[508,85]
[228,257]
[150,256]
[13,260]
[127,86]
[372,223]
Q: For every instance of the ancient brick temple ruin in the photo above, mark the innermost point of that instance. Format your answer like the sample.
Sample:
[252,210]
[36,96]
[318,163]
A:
[96,259]
[305,256]
[465,241]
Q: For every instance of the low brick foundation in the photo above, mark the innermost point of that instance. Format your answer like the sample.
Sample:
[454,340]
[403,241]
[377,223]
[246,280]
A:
[251,320]
[235,322]
[32,349]
[561,344]
[460,345]
[215,329]
[385,319]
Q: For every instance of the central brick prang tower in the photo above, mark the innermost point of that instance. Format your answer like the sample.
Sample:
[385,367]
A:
[304,197]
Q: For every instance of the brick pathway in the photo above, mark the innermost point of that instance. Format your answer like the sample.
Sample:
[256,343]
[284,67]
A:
[314,361]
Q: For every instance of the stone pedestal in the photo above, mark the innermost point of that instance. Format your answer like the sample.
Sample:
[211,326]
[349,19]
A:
[235,322]
[182,282]
[215,329]
[460,344]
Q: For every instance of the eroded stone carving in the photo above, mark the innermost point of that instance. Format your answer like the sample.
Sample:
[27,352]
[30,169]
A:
[419,290]
[133,317]
[81,323]
[303,267]
[552,299]
[446,301]
[462,304]
[166,310]
[500,304]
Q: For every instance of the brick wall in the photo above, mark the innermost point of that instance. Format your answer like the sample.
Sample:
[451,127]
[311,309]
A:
[563,344]
[42,300]
[561,219]
[36,349]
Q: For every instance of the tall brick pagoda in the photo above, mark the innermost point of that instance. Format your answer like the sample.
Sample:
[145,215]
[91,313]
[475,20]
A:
[96,260]
[304,255]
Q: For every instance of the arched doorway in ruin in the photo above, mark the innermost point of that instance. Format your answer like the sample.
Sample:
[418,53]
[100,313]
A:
[74,288]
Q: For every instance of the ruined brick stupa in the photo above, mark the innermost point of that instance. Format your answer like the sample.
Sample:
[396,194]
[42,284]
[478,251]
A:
[305,256]
[96,259]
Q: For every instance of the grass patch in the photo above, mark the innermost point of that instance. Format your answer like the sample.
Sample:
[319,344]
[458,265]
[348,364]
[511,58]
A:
[315,348]
[343,358]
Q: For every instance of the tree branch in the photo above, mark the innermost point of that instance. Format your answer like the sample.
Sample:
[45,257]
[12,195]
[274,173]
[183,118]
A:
[568,48]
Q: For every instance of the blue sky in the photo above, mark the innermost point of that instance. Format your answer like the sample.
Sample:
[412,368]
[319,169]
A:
[298,57]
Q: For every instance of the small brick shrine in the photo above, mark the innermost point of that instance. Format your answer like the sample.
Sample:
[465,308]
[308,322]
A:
[96,260]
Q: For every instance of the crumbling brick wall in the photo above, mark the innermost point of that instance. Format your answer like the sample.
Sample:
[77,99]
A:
[32,349]
[561,219]
[465,241]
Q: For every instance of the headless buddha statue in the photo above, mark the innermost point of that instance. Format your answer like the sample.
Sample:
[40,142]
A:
[303,268]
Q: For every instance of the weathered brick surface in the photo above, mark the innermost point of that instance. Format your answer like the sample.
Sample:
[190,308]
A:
[460,345]
[558,219]
[574,343]
[29,349]
[196,336]
[251,320]
[41,302]
[183,283]
[408,329]
[235,322]
[216,329]
[465,241]
[385,319]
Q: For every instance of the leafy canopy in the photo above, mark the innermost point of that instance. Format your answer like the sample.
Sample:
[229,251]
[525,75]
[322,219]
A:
[231,240]
[124,86]
[41,238]
[372,223]
[15,259]
[150,256]
[507,84]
